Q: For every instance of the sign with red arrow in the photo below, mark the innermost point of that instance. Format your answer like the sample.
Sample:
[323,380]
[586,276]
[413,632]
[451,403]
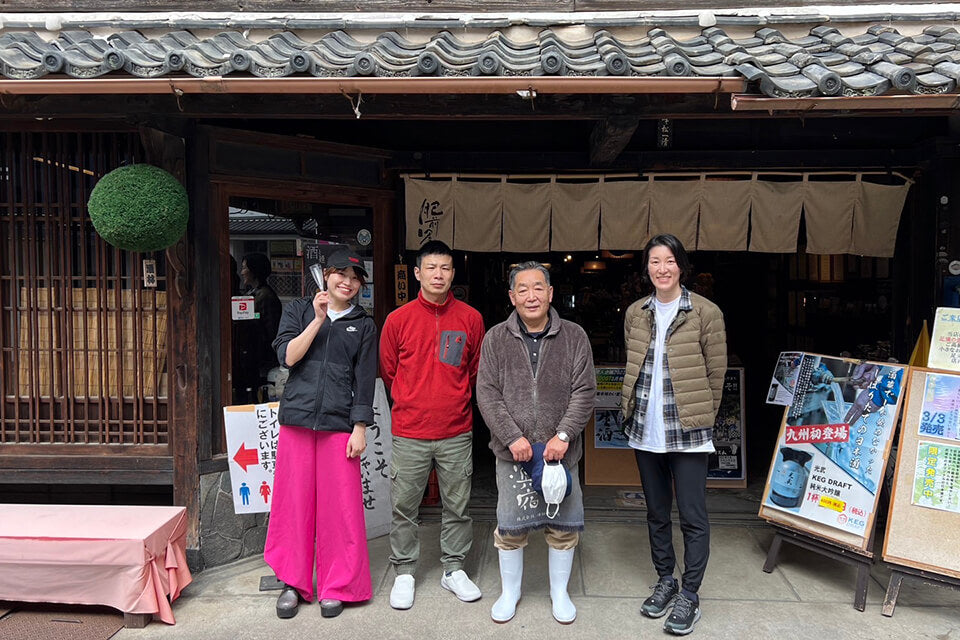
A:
[245,457]
[252,434]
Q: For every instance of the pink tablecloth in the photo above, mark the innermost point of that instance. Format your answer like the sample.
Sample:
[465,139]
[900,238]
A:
[129,558]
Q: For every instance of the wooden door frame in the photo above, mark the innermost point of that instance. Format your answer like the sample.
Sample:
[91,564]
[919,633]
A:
[380,201]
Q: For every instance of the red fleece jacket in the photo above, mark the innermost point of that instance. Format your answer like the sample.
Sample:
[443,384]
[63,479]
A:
[429,355]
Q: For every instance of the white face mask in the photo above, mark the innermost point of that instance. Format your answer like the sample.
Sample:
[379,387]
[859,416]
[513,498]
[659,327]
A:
[553,482]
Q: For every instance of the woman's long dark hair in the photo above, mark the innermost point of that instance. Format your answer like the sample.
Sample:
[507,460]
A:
[673,243]
[259,266]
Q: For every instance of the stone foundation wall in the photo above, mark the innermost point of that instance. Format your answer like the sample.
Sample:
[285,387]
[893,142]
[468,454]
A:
[224,535]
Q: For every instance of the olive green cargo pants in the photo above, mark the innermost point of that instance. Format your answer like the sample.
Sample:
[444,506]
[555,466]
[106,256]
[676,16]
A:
[409,470]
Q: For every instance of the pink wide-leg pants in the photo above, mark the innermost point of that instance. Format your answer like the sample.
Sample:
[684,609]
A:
[317,515]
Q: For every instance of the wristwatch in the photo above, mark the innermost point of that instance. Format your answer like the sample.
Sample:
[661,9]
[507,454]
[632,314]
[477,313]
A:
[563,436]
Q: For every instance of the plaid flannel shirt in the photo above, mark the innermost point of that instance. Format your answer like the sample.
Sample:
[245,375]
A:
[675,437]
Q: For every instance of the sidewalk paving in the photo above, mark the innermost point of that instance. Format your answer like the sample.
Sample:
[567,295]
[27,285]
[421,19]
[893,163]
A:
[806,596]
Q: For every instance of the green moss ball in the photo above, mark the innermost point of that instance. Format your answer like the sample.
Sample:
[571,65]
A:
[139,207]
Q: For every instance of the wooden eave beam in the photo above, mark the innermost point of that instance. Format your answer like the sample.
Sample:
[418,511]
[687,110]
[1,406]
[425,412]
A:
[937,102]
[34,464]
[527,87]
[610,137]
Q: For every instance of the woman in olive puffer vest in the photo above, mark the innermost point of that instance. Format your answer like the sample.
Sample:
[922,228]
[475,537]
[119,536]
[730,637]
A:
[676,361]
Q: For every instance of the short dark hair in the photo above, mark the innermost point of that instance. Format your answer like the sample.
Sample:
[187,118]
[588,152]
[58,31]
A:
[530,265]
[433,248]
[673,243]
[259,265]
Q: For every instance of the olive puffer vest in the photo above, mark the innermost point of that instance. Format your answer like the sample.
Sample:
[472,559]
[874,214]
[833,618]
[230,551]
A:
[696,352]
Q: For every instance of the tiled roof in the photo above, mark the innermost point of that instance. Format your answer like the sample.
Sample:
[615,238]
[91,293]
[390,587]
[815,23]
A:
[264,224]
[822,63]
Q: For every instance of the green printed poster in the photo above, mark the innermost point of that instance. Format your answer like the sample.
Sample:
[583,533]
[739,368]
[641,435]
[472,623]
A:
[936,483]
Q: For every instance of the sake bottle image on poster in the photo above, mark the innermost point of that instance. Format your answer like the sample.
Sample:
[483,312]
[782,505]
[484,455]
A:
[837,430]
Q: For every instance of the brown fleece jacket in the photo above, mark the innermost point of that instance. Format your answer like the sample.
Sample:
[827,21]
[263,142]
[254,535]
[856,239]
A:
[514,403]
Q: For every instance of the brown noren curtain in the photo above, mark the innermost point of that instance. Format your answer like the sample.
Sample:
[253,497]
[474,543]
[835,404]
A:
[624,214]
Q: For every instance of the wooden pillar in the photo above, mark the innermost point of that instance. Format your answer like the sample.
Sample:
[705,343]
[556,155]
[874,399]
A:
[211,246]
[169,152]
[384,256]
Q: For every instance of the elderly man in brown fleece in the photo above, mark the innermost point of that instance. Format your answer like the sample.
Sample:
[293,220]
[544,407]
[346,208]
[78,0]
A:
[535,388]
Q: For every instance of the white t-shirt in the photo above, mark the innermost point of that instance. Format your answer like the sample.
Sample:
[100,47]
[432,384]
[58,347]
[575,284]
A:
[335,315]
[654,439]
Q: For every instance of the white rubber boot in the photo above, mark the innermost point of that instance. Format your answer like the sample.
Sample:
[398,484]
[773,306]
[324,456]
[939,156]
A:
[511,575]
[561,562]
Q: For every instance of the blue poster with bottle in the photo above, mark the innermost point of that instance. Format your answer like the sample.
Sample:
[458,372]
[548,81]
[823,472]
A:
[834,442]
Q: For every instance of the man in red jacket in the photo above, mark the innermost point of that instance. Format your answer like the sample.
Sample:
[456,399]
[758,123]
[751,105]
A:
[429,352]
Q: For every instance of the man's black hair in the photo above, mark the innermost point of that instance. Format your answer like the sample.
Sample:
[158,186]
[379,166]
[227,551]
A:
[673,243]
[433,248]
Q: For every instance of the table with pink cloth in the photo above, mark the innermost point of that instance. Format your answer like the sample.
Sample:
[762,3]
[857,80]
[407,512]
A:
[129,558]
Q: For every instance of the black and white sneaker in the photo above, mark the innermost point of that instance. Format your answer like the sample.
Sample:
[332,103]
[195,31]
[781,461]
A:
[663,595]
[685,614]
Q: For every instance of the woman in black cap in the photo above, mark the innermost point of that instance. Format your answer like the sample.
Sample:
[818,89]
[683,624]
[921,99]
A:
[330,345]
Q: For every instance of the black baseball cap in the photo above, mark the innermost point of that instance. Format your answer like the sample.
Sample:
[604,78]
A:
[345,258]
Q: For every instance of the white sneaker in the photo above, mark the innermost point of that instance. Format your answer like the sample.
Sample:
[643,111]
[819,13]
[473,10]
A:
[401,596]
[461,585]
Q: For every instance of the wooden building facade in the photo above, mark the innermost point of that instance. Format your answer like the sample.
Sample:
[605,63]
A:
[107,381]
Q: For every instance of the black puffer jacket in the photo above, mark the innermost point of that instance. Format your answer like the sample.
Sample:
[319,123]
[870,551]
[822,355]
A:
[332,386]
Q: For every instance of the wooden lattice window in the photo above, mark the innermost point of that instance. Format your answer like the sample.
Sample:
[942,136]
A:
[83,341]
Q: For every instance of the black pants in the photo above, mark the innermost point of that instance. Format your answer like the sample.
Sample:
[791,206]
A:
[685,473]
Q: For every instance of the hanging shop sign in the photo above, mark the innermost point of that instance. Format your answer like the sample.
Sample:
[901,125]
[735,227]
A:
[401,284]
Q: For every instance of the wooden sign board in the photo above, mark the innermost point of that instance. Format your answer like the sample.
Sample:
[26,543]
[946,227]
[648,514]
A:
[923,524]
[609,460]
[832,450]
[607,467]
[401,284]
